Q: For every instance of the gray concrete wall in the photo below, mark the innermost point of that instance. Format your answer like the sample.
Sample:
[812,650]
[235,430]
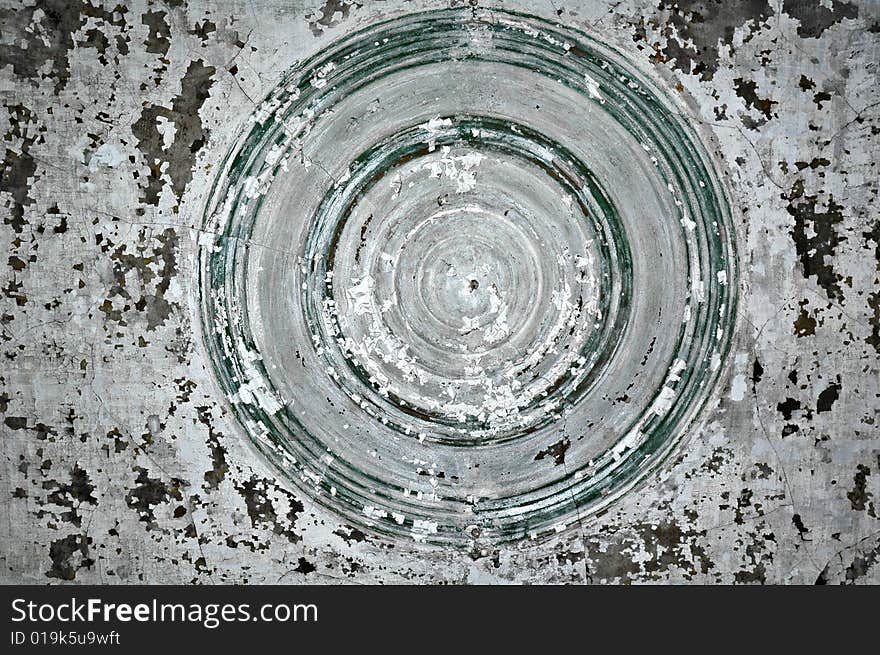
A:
[120,462]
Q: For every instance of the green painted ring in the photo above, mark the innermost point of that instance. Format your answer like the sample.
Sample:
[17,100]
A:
[566,56]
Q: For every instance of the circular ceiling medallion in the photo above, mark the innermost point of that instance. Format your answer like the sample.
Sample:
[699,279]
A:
[472,277]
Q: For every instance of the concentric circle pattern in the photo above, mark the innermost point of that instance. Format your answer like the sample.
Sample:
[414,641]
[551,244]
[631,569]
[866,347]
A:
[472,277]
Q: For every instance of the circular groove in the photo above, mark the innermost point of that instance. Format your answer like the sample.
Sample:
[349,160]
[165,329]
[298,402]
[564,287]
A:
[473,277]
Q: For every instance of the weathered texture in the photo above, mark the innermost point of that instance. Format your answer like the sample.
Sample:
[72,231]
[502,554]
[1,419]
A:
[121,462]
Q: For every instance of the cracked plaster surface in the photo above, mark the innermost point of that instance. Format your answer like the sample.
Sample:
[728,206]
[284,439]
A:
[119,460]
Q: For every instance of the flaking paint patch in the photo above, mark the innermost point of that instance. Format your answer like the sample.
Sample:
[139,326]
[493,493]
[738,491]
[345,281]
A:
[751,500]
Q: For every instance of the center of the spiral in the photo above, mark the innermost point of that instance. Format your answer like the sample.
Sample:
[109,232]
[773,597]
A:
[470,271]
